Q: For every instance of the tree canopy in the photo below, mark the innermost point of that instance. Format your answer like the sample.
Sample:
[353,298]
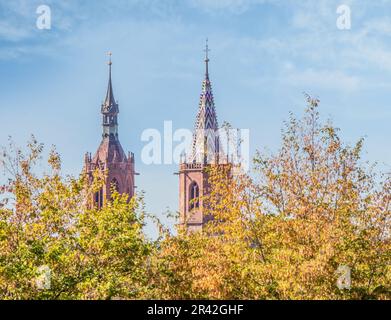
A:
[311,221]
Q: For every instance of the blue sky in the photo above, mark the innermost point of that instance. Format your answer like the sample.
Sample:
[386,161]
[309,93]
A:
[265,54]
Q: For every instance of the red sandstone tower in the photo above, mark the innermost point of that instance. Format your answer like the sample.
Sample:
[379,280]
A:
[110,156]
[193,177]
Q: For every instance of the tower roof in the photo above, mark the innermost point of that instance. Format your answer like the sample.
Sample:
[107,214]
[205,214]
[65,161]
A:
[205,137]
[109,151]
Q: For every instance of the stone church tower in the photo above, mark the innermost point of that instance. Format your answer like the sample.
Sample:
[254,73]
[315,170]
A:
[193,177]
[110,156]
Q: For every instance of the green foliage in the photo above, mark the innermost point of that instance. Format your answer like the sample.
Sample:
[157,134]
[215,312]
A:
[282,232]
[90,253]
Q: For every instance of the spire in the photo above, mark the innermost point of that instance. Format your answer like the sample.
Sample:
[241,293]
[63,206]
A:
[110,109]
[205,137]
[109,105]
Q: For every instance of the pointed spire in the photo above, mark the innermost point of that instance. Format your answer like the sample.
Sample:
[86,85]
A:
[205,137]
[109,104]
[110,110]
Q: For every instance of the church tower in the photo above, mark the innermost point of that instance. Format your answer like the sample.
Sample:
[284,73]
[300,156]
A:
[110,156]
[193,177]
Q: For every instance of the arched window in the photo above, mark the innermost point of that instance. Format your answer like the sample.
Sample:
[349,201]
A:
[98,198]
[194,196]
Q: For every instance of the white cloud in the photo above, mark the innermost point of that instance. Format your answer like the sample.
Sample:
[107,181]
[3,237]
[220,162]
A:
[325,79]
[380,26]
[230,6]
[12,33]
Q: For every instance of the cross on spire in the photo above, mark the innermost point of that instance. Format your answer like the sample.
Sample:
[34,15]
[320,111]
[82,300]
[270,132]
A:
[207,50]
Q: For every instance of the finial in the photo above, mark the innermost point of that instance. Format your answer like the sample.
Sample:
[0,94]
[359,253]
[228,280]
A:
[109,64]
[206,50]
[207,58]
[109,54]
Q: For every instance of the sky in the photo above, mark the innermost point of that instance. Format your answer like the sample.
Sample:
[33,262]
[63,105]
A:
[264,55]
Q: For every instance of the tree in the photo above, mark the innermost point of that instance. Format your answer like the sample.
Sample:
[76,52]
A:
[312,221]
[288,230]
[53,247]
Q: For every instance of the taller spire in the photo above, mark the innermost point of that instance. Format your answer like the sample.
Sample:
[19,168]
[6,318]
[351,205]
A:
[205,138]
[110,109]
